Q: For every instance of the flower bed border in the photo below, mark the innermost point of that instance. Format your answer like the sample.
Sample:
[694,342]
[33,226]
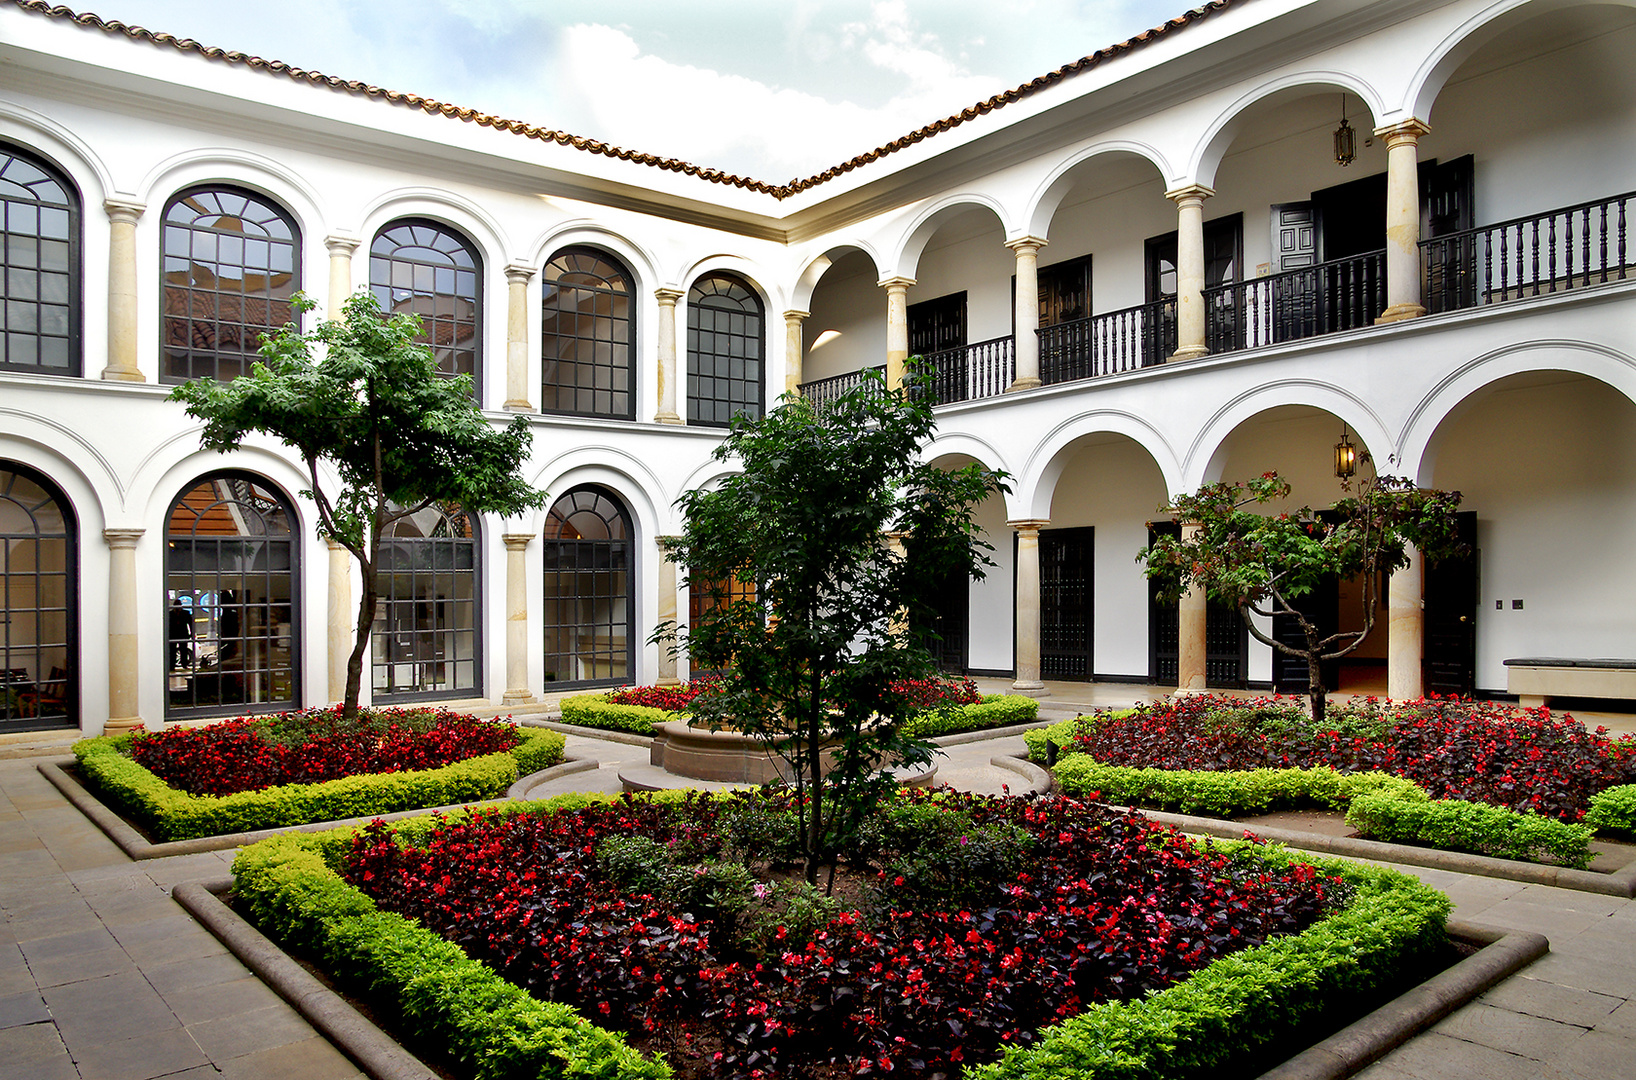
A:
[995,711]
[292,876]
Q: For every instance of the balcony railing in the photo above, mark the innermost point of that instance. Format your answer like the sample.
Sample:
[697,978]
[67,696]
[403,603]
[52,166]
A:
[1109,343]
[1341,294]
[822,392]
[971,371]
[1570,248]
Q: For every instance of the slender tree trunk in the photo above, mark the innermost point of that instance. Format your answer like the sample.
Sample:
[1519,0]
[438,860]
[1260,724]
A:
[360,641]
[813,752]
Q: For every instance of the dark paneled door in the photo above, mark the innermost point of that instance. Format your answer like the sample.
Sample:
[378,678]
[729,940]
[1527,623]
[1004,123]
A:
[1226,638]
[1451,617]
[1290,674]
[1066,595]
[952,620]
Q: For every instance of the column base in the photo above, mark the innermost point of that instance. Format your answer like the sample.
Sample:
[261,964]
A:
[667,680]
[111,374]
[1032,688]
[119,725]
[1189,691]
[1399,312]
[666,418]
[1028,383]
[516,697]
[517,406]
[1187,352]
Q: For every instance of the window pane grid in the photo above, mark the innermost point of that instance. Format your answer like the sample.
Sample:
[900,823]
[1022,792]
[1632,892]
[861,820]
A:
[39,268]
[588,327]
[725,373]
[427,269]
[38,681]
[424,642]
[588,609]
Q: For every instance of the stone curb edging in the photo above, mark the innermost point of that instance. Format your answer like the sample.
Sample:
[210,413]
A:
[567,767]
[1038,778]
[960,738]
[1399,1020]
[371,1048]
[137,846]
[1345,1052]
[1620,883]
[606,735]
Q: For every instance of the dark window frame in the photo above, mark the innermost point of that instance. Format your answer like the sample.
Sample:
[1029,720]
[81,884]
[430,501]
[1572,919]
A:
[379,652]
[552,563]
[74,365]
[752,398]
[431,325]
[614,368]
[1155,246]
[71,600]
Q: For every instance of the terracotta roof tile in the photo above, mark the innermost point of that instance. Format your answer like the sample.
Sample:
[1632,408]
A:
[594,146]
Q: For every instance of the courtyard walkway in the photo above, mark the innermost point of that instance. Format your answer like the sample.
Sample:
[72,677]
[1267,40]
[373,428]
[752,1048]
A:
[104,977]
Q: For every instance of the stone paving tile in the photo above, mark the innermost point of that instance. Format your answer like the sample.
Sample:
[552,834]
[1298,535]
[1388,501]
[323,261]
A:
[98,1011]
[1564,1004]
[170,937]
[92,966]
[312,1059]
[1434,1056]
[1581,973]
[158,1053]
[1515,1033]
[198,1004]
[199,972]
[1621,1021]
[25,1008]
[245,1033]
[37,1053]
[1598,1056]
[68,944]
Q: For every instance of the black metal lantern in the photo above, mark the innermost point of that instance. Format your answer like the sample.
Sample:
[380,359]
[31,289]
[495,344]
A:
[1346,456]
[1346,142]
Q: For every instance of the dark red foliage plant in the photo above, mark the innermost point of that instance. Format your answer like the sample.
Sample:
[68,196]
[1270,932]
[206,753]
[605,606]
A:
[678,698]
[1105,906]
[253,752]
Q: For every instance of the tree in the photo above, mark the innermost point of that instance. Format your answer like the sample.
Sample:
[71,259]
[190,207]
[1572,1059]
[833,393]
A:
[374,409]
[1261,564]
[839,537]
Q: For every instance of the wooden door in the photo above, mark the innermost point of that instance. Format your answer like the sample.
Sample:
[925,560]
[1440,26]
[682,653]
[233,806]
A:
[1066,596]
[1226,637]
[1290,674]
[1451,617]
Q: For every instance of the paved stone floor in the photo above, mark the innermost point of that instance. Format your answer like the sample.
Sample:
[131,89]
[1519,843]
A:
[103,976]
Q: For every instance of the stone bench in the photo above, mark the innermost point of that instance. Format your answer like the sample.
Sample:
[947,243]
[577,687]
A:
[1537,679]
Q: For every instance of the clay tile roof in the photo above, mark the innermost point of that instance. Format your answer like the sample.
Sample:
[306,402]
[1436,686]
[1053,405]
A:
[594,146]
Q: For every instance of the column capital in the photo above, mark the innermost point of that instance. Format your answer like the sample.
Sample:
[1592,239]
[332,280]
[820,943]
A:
[796,315]
[520,273]
[667,544]
[1409,131]
[122,538]
[517,541]
[1192,193]
[1028,524]
[1034,243]
[340,244]
[335,545]
[124,208]
[667,296]
[896,281]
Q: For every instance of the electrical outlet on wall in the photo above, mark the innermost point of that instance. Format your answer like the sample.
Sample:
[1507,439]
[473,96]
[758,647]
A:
[1516,605]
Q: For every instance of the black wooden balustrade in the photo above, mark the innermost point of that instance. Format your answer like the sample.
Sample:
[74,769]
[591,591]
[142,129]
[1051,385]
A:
[1109,343]
[1326,298]
[969,372]
[822,392]
[1569,248]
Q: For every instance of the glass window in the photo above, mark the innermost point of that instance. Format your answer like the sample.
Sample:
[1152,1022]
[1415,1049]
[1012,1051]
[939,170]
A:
[232,262]
[39,677]
[426,633]
[39,267]
[725,351]
[430,270]
[232,612]
[588,336]
[589,609]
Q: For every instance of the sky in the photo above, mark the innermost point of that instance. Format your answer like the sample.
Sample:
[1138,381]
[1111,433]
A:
[765,89]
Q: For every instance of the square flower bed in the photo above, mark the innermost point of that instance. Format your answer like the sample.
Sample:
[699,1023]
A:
[963,930]
[297,768]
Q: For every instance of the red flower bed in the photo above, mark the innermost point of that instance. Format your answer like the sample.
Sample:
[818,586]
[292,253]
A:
[250,753]
[669,698]
[1455,748]
[1106,906]
[938,692]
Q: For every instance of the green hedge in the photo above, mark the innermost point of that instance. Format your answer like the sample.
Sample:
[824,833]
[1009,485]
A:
[1250,999]
[994,711]
[1064,732]
[1475,827]
[1225,794]
[1614,810]
[596,711]
[170,814]
[494,1028]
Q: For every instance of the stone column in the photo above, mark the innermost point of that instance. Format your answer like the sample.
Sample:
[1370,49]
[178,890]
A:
[1403,300]
[343,617]
[1189,270]
[667,413]
[1027,344]
[792,350]
[341,246]
[517,278]
[122,311]
[897,328]
[667,613]
[124,640]
[517,691]
[1406,629]
[1028,607]
[1191,621]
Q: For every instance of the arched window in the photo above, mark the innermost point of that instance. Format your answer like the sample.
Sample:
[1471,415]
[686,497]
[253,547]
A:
[39,646]
[39,266]
[232,262]
[589,608]
[588,336]
[426,636]
[430,270]
[232,607]
[726,372]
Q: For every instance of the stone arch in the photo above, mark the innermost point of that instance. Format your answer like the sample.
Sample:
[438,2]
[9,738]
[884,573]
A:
[241,168]
[446,208]
[906,253]
[1031,496]
[582,232]
[806,282]
[1204,461]
[620,472]
[85,475]
[964,444]
[65,149]
[1219,135]
[1048,196]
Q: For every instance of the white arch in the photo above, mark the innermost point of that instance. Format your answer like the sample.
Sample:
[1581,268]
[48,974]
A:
[72,154]
[1042,205]
[1203,462]
[1454,391]
[168,484]
[583,231]
[65,450]
[1447,56]
[1218,137]
[610,467]
[708,475]
[806,281]
[967,445]
[905,258]
[242,168]
[754,273]
[456,211]
[1032,494]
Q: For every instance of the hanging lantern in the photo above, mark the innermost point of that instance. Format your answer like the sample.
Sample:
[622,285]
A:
[1346,456]
[1346,140]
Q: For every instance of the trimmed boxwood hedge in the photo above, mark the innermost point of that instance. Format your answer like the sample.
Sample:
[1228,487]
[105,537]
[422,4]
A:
[1475,827]
[170,814]
[596,711]
[995,710]
[1244,1001]
[1614,810]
